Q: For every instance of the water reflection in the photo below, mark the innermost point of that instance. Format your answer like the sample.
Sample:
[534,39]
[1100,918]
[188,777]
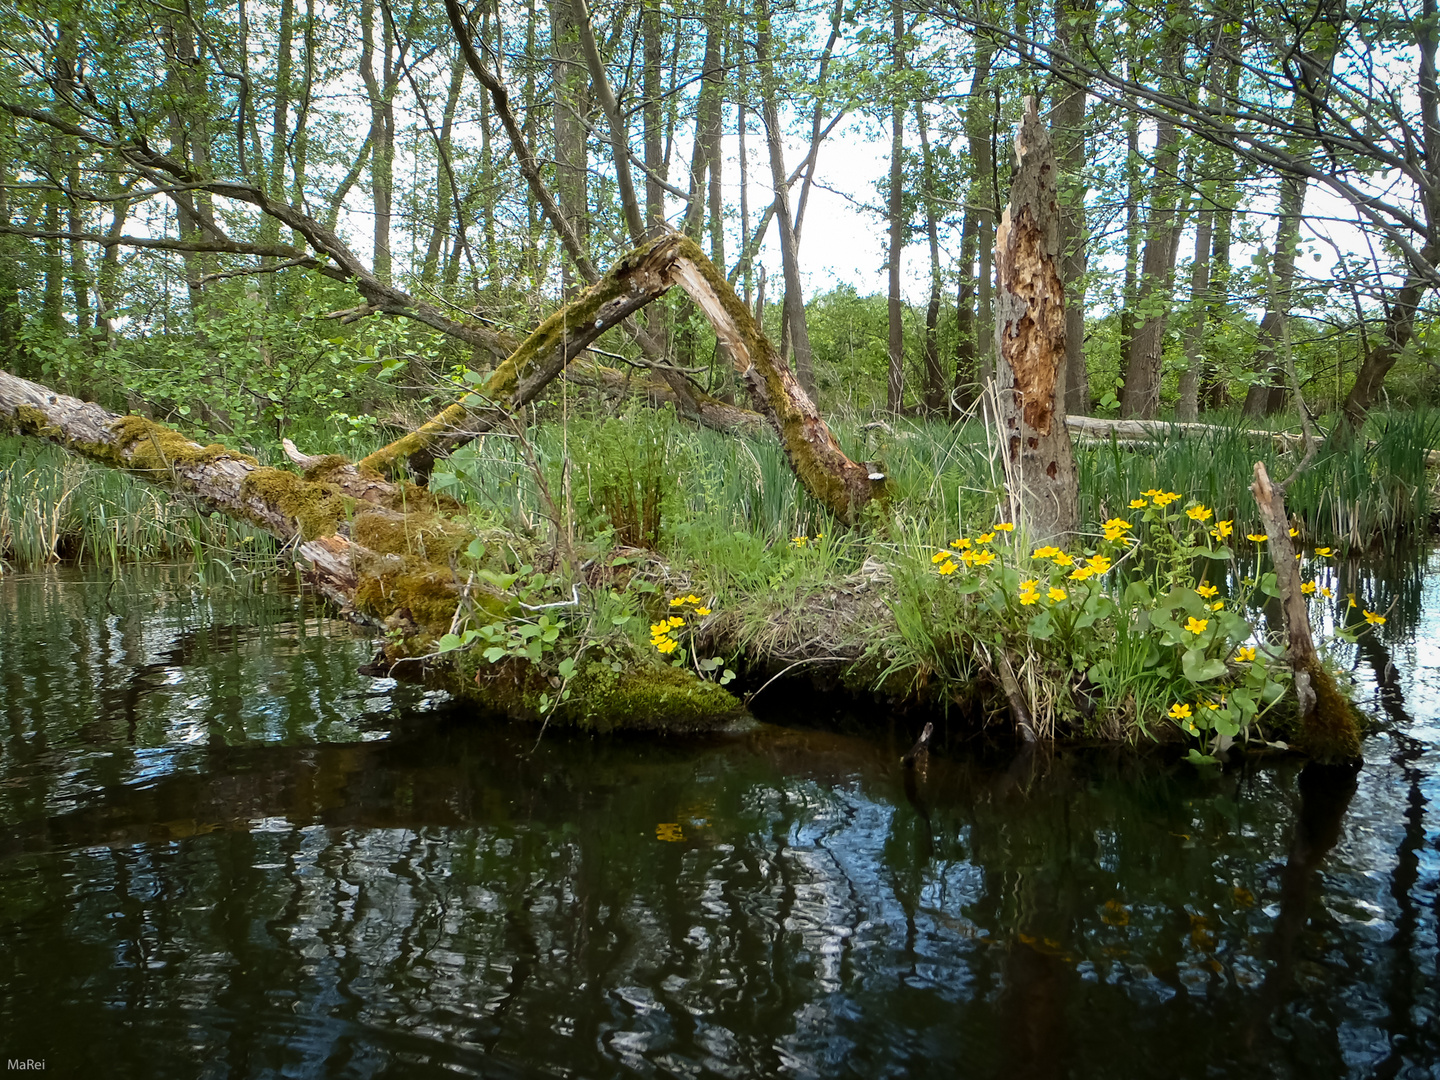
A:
[246,887]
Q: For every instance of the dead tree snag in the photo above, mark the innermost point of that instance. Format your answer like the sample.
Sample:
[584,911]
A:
[1030,334]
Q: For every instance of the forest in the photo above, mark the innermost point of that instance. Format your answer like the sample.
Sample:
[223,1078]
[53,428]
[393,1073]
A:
[426,259]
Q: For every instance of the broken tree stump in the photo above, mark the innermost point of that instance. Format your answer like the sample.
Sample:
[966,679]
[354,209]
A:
[1030,335]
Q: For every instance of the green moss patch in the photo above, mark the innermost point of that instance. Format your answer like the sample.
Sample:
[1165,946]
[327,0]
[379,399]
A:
[317,509]
[427,535]
[653,699]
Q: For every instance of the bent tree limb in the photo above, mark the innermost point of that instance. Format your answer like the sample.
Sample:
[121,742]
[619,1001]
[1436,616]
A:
[842,486]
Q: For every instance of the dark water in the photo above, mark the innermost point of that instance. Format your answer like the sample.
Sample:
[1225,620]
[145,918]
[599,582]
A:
[225,854]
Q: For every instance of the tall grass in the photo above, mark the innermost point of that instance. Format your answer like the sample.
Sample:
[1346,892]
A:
[1350,495]
[56,506]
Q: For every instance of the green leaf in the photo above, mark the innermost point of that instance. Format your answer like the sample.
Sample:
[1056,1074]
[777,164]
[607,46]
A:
[1041,628]
[476,550]
[1267,584]
[1197,758]
[567,668]
[494,654]
[1197,668]
[448,643]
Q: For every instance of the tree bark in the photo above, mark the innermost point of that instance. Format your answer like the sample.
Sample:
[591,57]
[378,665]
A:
[1266,395]
[1188,407]
[793,313]
[1030,336]
[895,383]
[934,397]
[1067,125]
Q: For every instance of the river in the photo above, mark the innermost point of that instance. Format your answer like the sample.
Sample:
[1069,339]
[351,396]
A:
[224,853]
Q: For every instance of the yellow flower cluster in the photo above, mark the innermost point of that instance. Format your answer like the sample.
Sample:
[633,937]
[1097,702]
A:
[1116,528]
[1029,592]
[662,633]
[1093,567]
[804,541]
[1161,498]
[1199,512]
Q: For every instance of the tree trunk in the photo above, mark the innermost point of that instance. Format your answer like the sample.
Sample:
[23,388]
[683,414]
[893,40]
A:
[1030,338]
[974,335]
[1266,395]
[934,375]
[1382,354]
[1067,126]
[793,312]
[1188,407]
[382,136]
[1147,347]
[895,384]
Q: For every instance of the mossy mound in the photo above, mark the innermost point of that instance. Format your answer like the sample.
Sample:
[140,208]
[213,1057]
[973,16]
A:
[653,699]
[1330,734]
[316,509]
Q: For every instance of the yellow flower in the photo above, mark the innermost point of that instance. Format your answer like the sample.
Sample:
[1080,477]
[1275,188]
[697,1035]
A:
[1028,586]
[1211,705]
[968,557]
[667,646]
[1152,493]
[1056,594]
[819,536]
[1351,597]
[1307,587]
[1114,534]
[1325,592]
[1117,523]
[947,568]
[1028,598]
[677,602]
[1098,564]
[985,538]
[1179,711]
[1324,552]
[702,611]
[1164,498]
[1197,626]
[1199,512]
[1047,552]
[1259,538]
[659,628]
[1247,653]
[984,558]
[1136,504]
[962,543]
[693,599]
[1081,573]
[1217,605]
[1206,591]
[800,541]
[1005,526]
[940,556]
[1374,618]
[1294,532]
[1222,529]
[675,620]
[1063,559]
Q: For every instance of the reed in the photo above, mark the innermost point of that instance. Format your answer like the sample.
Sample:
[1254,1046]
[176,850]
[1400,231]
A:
[54,506]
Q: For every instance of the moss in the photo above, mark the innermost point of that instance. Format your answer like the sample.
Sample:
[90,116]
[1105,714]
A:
[33,421]
[146,446]
[427,535]
[654,699]
[1330,733]
[427,591]
[317,509]
[325,467]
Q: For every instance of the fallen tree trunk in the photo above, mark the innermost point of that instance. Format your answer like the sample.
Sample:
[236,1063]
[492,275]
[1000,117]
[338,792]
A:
[842,486]
[390,555]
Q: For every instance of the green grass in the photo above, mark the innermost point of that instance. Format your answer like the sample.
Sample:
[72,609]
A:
[55,506]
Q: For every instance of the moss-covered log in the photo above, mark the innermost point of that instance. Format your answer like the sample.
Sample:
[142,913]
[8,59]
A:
[390,555]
